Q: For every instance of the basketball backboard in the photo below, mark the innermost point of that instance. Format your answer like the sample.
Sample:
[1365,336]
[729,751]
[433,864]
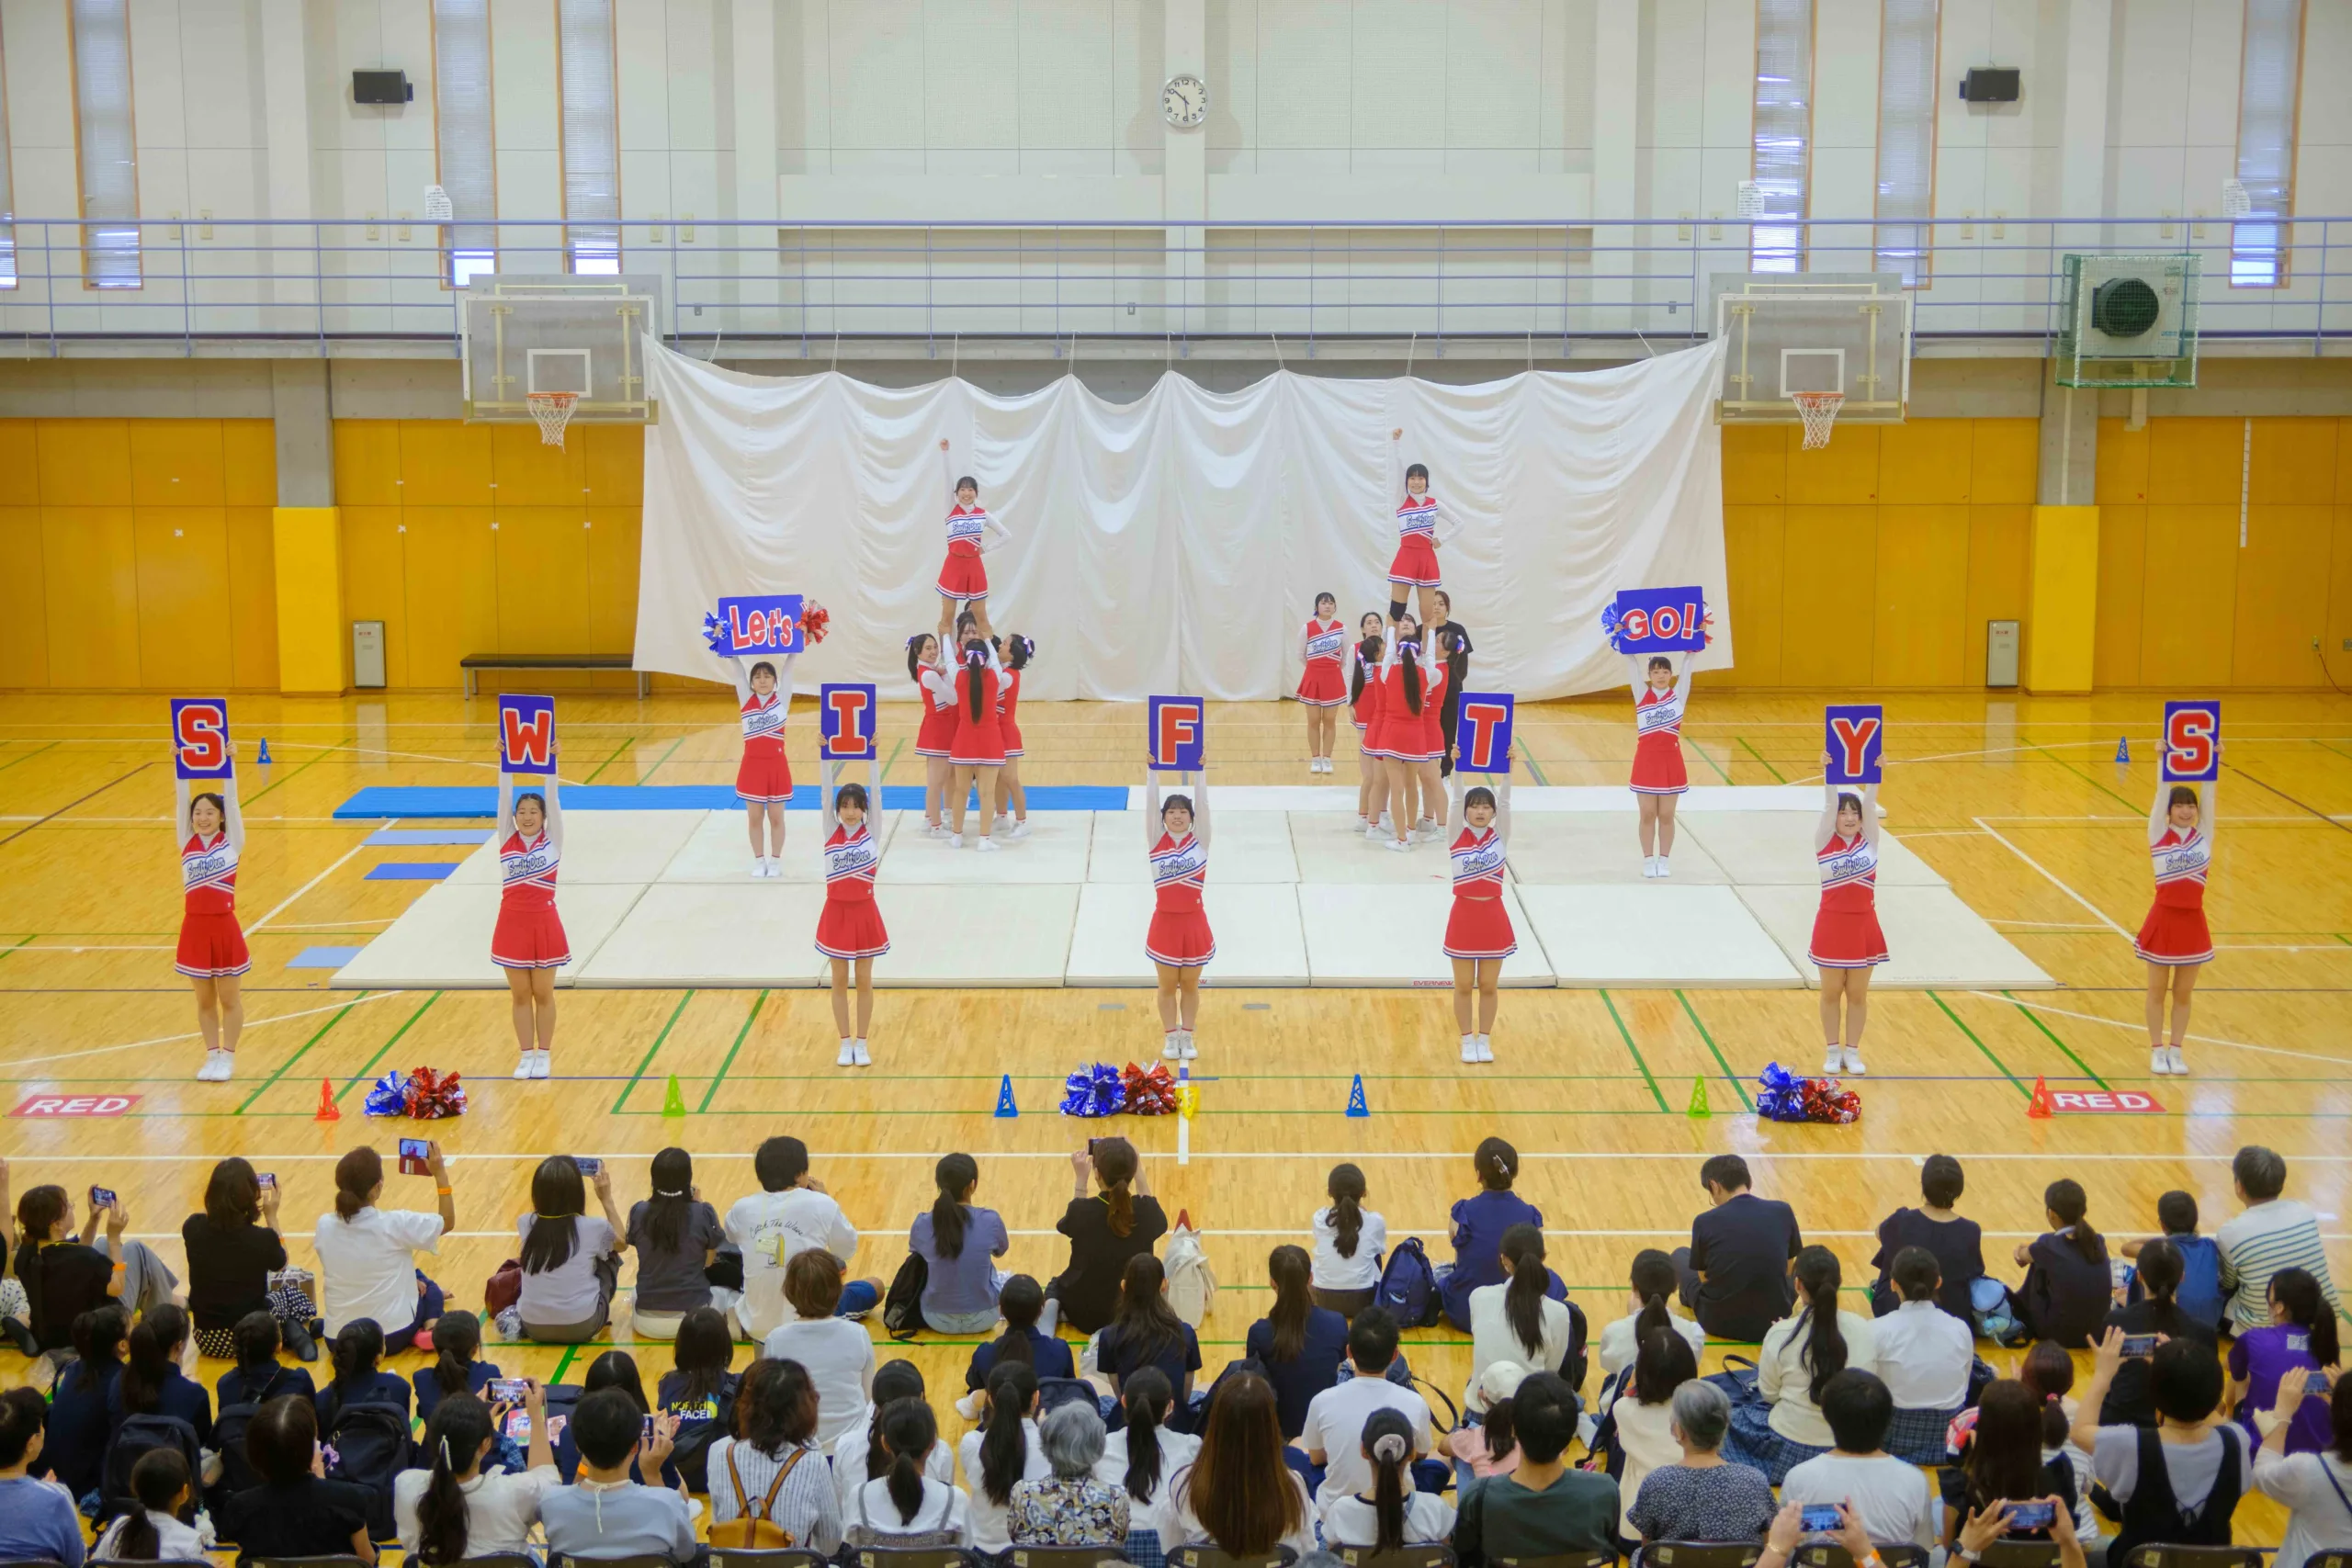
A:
[559,334]
[1796,333]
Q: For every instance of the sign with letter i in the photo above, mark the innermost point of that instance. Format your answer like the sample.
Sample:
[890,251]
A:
[1855,737]
[845,722]
[1482,734]
[1176,732]
[200,738]
[2192,748]
[527,735]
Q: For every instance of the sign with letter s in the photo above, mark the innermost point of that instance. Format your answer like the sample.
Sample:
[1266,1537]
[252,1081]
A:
[845,722]
[1482,734]
[1855,737]
[1176,733]
[527,735]
[2192,743]
[200,738]
[755,623]
[1656,620]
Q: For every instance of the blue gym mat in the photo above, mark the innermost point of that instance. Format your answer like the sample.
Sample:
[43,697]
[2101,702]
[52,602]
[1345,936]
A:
[323,958]
[411,871]
[429,801]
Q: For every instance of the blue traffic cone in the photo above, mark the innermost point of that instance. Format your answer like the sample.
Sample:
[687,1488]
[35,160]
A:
[263,760]
[1356,1107]
[2123,748]
[1004,1105]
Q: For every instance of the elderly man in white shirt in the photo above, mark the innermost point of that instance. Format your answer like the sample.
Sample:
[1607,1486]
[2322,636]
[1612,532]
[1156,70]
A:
[1927,1357]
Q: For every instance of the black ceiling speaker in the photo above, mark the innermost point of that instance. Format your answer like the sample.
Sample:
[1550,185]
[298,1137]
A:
[1989,84]
[2123,306]
[381,87]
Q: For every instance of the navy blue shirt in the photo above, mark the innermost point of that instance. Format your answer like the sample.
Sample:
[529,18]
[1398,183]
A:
[379,1388]
[80,1425]
[1959,1248]
[179,1395]
[1479,1226]
[259,1385]
[1052,1356]
[428,1386]
[1743,1246]
[1316,1367]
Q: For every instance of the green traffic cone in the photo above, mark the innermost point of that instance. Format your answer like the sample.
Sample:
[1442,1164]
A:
[1699,1108]
[673,1102]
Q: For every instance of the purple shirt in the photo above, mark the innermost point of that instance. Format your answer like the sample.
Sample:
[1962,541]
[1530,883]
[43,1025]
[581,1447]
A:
[2260,1357]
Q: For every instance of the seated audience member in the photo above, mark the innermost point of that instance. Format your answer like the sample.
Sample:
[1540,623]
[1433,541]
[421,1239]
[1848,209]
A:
[613,1370]
[861,1456]
[2316,1486]
[367,1254]
[1518,1321]
[461,1505]
[1893,1497]
[1486,1445]
[1735,1273]
[1928,1357]
[64,1277]
[1982,1529]
[1799,1357]
[1142,1457]
[1146,1332]
[2301,1333]
[1349,1240]
[457,1366]
[836,1351]
[571,1259]
[904,1506]
[1957,1244]
[2067,1283]
[699,1388]
[1237,1494]
[1390,1515]
[38,1520]
[773,1470]
[1650,1306]
[1003,1450]
[1021,1303]
[789,1214]
[1645,1416]
[234,1247]
[16,1307]
[2199,1293]
[259,1377]
[959,1244]
[1478,1226]
[1298,1344]
[359,1378]
[2048,1373]
[1070,1506]
[2270,1234]
[157,1530]
[1541,1508]
[604,1513]
[293,1513]
[2157,1311]
[2008,1460]
[80,1424]
[2177,1482]
[152,1382]
[1332,1434]
[1105,1228]
[1702,1496]
[676,1237]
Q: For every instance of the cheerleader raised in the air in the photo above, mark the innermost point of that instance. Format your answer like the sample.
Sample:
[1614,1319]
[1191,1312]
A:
[963,580]
[1421,526]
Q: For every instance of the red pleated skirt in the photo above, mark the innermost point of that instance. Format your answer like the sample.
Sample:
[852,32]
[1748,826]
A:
[763,777]
[1479,927]
[212,947]
[852,928]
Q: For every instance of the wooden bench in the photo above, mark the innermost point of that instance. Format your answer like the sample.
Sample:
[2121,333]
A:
[474,661]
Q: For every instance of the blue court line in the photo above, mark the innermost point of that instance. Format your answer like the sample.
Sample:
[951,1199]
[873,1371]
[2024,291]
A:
[323,958]
[451,801]
[390,838]
[411,871]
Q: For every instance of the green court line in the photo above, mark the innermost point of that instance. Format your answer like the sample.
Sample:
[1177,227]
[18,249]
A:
[1729,1076]
[1760,757]
[610,760]
[647,776]
[363,1075]
[2083,776]
[893,760]
[565,1365]
[1626,1035]
[283,1067]
[649,1050]
[300,769]
[1980,1045]
[1709,760]
[27,756]
[21,941]
[752,1016]
[1528,752]
[2035,1018]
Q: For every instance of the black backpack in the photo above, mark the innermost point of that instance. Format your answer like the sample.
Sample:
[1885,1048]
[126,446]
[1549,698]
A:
[237,1472]
[902,1305]
[132,1441]
[368,1445]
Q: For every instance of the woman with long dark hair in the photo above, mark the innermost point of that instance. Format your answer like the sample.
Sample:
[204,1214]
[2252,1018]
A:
[1518,1320]
[936,735]
[233,1248]
[2068,1285]
[2302,1334]
[292,1513]
[1412,692]
[458,1503]
[367,1254]
[860,1455]
[1146,1332]
[157,1530]
[1350,1241]
[616,1370]
[457,1366]
[1238,1494]
[1022,1302]
[79,1424]
[676,1237]
[1143,1456]
[959,1242]
[1798,1358]
[1298,1344]
[1002,1451]
[2004,1460]
[572,1262]
[903,1506]
[1390,1515]
[355,1356]
[1479,1226]
[772,1468]
[2161,1268]
[2316,1485]
[1017,653]
[1112,1216]
[65,1276]
[1364,712]
[978,750]
[1644,1414]
[152,1381]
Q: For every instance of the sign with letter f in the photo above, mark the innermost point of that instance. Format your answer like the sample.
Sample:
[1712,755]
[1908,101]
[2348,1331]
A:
[1176,733]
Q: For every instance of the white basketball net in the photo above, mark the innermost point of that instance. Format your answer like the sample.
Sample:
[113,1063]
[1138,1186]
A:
[553,410]
[1819,412]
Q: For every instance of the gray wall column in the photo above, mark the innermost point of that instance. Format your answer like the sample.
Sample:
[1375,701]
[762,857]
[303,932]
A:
[2069,442]
[305,420]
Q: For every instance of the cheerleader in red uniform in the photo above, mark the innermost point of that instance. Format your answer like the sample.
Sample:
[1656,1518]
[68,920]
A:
[1846,939]
[1478,934]
[1011,800]
[213,946]
[764,778]
[1418,522]
[978,750]
[1660,697]
[1412,694]
[2174,939]
[962,579]
[1363,707]
[849,932]
[935,737]
[529,942]
[1180,943]
[1322,688]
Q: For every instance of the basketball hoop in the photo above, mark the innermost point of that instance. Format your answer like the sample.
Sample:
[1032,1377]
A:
[1819,412]
[553,410]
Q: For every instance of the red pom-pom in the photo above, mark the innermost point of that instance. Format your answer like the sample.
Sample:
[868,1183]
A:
[815,620]
[431,1096]
[1150,1093]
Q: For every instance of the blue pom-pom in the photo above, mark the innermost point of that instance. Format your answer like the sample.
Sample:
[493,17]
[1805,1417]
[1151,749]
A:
[1093,1090]
[388,1096]
[713,632]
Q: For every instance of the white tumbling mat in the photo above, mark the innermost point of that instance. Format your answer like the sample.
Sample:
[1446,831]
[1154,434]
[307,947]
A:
[1766,847]
[719,850]
[1054,852]
[1932,939]
[753,933]
[1396,936]
[1654,933]
[1246,847]
[609,846]
[1015,934]
[1259,939]
[1528,797]
[443,941]
[1588,847]
[1333,849]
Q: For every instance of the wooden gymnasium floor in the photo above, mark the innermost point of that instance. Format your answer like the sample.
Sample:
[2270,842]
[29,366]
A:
[2017,801]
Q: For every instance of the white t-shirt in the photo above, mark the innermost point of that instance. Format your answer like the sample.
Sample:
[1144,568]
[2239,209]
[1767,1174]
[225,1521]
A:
[1619,1347]
[1157,1512]
[1335,1421]
[1894,1498]
[2319,1518]
[991,1521]
[367,1267]
[1188,1524]
[501,1507]
[2192,1468]
[1783,1379]
[770,1227]
[1924,1354]
[1352,1521]
[1493,1340]
[173,1538]
[839,1357]
[944,1508]
[849,1462]
[1362,1272]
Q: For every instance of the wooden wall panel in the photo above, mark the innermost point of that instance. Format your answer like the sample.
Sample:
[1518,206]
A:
[253,590]
[2281,604]
[24,609]
[90,561]
[1920,637]
[183,564]
[1828,594]
[2190,579]
[2122,548]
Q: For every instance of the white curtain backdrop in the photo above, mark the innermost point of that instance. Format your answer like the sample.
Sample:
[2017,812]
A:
[1176,544]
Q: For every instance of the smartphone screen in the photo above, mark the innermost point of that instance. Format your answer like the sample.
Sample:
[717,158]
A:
[509,1390]
[1091,1142]
[2032,1515]
[268,1179]
[416,1156]
[648,1428]
[101,1197]
[1821,1516]
[589,1164]
[2139,1344]
[2317,1384]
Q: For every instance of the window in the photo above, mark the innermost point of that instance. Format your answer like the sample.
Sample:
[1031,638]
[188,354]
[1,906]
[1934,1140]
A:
[2268,87]
[1907,140]
[106,145]
[465,139]
[1783,134]
[7,185]
[592,181]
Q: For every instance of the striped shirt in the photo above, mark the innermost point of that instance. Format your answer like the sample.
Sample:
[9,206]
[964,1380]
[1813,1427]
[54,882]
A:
[2258,1243]
[807,1507]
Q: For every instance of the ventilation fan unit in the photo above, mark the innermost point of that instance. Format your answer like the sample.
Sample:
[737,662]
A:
[2129,321]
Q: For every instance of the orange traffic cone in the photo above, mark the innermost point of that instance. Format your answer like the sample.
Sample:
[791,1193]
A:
[328,1110]
[2038,1108]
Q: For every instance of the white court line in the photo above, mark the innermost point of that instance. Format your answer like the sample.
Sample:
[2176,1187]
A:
[193,1034]
[333,925]
[2053,925]
[1683,1230]
[2055,881]
[2140,1028]
[533,1157]
[330,871]
[123,947]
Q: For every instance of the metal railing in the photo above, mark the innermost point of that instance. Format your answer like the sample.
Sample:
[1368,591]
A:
[257,281]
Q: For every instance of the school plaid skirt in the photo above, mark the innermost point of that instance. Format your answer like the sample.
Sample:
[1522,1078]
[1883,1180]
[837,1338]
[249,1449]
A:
[1144,1549]
[1917,1437]
[1752,1442]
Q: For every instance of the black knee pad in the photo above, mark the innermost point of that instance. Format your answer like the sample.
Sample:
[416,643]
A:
[1396,611]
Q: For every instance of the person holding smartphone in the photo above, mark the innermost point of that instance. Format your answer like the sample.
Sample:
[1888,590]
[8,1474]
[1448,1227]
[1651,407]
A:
[1891,1496]
[65,1276]
[367,1254]
[461,1505]
[233,1248]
